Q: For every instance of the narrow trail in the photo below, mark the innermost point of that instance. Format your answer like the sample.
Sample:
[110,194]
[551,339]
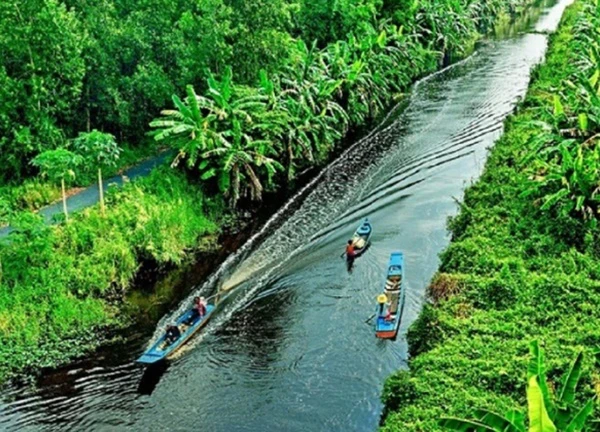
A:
[90,195]
[289,348]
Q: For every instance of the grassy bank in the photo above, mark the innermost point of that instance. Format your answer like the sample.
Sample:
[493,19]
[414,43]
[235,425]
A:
[59,285]
[523,261]
[240,136]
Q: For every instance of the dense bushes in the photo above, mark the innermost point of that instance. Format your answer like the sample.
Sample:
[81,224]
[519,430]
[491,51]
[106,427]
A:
[518,269]
[55,282]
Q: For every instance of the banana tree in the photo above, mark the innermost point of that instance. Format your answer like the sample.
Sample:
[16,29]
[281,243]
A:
[308,96]
[203,123]
[546,411]
[58,165]
[567,175]
[240,165]
[190,127]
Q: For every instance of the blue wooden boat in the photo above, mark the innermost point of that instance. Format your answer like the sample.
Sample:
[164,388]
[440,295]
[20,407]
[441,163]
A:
[362,237]
[162,349]
[390,304]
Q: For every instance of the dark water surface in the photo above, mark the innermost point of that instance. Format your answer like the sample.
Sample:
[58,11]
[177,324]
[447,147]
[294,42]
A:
[289,349]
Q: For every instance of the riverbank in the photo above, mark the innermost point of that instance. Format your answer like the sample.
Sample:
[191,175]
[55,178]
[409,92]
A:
[522,264]
[62,285]
[73,277]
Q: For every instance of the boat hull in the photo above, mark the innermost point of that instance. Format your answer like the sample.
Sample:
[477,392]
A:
[387,330]
[362,238]
[160,351]
[395,292]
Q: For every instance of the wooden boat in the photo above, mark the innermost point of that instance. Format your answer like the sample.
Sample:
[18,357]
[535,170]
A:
[162,349]
[391,303]
[362,237]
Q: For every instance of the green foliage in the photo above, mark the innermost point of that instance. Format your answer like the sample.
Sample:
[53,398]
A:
[57,165]
[297,113]
[100,150]
[398,389]
[525,273]
[565,160]
[69,276]
[427,331]
[41,75]
[279,83]
[547,412]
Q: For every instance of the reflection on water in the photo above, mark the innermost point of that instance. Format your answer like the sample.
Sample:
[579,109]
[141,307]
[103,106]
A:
[293,348]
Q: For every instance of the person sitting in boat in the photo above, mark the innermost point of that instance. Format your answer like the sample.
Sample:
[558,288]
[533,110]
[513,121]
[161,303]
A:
[173,333]
[201,306]
[198,308]
[388,316]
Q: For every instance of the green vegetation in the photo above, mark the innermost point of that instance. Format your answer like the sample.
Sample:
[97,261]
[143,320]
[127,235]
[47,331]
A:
[58,165]
[102,151]
[271,87]
[249,138]
[523,261]
[71,66]
[547,411]
[60,283]
[34,193]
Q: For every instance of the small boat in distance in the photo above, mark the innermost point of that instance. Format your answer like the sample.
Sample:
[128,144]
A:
[362,237]
[391,303]
[187,325]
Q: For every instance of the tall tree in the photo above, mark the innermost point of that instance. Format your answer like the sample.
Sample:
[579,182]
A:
[99,150]
[41,76]
[58,165]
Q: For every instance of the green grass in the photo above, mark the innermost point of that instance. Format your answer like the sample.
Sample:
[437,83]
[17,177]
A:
[512,274]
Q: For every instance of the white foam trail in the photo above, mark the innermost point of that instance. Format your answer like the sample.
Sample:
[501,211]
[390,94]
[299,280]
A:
[245,272]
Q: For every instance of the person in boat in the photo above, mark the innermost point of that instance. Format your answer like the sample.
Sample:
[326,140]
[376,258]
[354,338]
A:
[173,333]
[201,306]
[198,308]
[350,251]
[388,315]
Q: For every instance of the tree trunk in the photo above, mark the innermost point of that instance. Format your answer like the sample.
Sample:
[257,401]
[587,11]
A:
[101,190]
[87,109]
[64,194]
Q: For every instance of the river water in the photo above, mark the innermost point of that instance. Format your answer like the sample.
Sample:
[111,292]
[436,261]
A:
[289,348]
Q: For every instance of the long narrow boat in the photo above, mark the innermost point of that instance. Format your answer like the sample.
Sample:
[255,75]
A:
[362,237]
[391,303]
[162,349]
